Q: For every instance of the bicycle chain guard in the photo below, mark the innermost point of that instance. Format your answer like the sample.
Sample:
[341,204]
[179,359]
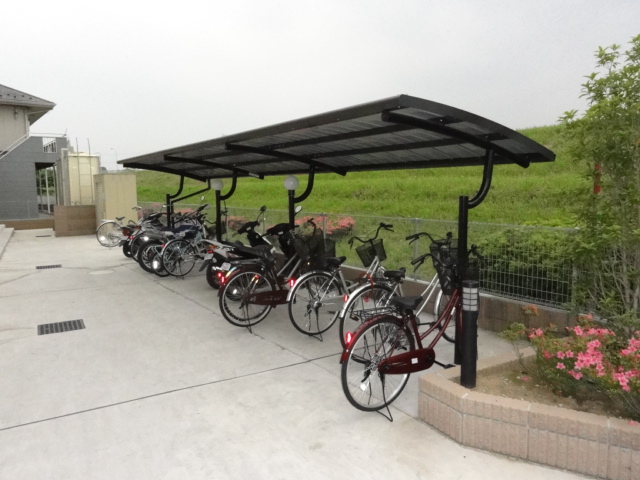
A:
[408,362]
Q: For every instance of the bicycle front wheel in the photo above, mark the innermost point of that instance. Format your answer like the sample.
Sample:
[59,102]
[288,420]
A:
[178,257]
[109,234]
[235,304]
[364,303]
[367,387]
[440,306]
[314,303]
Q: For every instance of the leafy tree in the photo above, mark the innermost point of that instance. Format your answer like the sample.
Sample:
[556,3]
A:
[606,139]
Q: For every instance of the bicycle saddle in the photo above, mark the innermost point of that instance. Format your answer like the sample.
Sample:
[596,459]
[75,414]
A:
[407,303]
[335,261]
[395,274]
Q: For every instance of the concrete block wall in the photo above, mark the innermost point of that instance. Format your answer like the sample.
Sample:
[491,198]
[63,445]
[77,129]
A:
[585,443]
[72,220]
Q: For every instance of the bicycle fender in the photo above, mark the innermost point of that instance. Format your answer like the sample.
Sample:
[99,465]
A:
[356,334]
[232,271]
[300,279]
[353,294]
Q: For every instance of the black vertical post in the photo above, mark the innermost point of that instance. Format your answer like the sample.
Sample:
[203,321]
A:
[169,211]
[292,207]
[470,306]
[463,225]
[218,217]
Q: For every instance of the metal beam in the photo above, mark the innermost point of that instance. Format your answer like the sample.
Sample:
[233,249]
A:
[285,156]
[396,117]
[204,163]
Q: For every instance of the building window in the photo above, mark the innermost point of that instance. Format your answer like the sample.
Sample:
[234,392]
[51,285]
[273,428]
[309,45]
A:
[49,145]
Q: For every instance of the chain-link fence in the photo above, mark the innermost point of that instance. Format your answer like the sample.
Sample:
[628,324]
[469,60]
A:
[521,262]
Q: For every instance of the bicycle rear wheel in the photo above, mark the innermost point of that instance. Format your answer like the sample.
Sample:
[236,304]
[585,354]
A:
[363,304]
[364,385]
[178,257]
[314,303]
[235,305]
[109,234]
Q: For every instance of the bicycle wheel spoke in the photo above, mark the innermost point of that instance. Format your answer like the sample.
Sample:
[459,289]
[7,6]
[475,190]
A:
[365,386]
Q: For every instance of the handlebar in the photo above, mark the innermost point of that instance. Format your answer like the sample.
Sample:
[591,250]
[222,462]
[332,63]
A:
[416,236]
[388,227]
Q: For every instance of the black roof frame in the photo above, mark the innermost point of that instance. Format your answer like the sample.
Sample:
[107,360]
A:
[416,133]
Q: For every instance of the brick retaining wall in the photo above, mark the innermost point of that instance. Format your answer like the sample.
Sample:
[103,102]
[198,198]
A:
[586,443]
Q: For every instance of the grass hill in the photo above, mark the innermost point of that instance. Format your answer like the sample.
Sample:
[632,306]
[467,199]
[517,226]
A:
[539,195]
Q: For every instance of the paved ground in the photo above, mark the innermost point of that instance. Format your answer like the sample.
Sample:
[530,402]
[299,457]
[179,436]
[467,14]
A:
[160,386]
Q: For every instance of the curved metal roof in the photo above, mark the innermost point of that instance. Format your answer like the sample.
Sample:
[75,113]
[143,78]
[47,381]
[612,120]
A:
[401,132]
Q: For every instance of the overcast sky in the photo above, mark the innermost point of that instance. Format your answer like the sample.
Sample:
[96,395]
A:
[134,77]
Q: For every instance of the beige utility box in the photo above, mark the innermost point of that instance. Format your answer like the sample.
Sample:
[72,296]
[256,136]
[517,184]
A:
[116,196]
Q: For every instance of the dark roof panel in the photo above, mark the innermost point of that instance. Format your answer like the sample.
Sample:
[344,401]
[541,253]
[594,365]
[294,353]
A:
[395,133]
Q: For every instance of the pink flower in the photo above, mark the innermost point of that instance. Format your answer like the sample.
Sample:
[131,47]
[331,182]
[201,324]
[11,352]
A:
[546,355]
[560,366]
[569,354]
[560,354]
[575,374]
[578,331]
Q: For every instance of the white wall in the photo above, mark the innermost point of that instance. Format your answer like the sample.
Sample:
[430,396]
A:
[13,125]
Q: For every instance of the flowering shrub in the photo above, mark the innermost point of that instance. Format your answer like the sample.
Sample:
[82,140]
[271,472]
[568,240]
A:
[334,227]
[234,223]
[590,359]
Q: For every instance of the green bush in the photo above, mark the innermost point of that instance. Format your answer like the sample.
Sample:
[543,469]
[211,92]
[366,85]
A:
[531,264]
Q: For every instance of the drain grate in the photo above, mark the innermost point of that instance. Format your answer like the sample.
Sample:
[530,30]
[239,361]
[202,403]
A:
[60,327]
[43,267]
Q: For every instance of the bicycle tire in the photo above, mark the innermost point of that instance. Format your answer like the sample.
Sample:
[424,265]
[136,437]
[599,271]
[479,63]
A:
[314,303]
[363,384]
[146,253]
[440,305]
[109,234]
[126,248]
[136,242]
[211,274]
[237,310]
[156,265]
[178,257]
[363,303]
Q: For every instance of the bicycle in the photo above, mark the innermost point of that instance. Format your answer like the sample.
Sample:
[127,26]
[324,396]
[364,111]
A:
[375,295]
[252,288]
[178,256]
[383,352]
[110,232]
[316,298]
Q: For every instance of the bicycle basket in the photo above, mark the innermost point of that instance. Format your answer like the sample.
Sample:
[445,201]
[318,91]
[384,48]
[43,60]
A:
[329,248]
[444,256]
[301,247]
[369,250]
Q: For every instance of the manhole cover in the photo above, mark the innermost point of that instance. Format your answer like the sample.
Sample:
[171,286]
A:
[100,272]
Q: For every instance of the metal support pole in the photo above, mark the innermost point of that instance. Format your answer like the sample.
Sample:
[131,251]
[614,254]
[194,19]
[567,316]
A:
[218,217]
[470,306]
[292,207]
[463,225]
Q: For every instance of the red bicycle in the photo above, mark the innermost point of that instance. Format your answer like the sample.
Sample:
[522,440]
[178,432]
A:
[382,353]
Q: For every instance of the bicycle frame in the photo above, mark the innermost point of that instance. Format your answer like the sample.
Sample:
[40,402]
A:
[422,358]
[280,295]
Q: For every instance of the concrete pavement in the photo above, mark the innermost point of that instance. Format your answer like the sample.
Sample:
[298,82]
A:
[159,386]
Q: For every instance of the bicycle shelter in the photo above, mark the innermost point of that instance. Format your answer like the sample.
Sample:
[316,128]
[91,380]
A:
[396,133]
